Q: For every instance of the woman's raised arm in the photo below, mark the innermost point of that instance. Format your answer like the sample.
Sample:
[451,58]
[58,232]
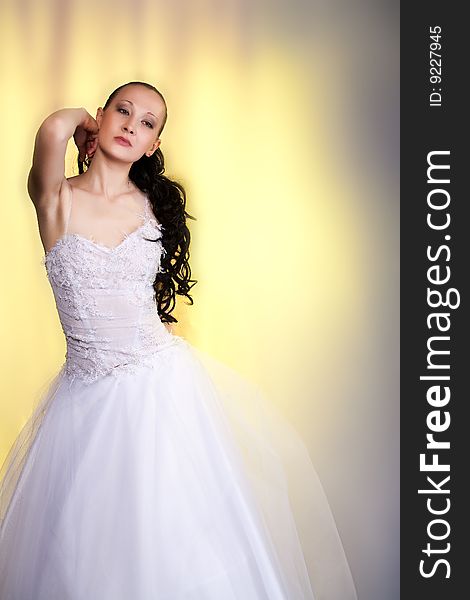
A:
[47,171]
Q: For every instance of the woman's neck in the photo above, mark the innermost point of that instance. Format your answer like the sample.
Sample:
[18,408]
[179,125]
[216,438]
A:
[108,179]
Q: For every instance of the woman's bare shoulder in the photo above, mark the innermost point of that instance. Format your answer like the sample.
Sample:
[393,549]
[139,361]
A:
[72,181]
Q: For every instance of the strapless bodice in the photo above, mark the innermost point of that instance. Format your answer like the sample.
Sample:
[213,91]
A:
[106,301]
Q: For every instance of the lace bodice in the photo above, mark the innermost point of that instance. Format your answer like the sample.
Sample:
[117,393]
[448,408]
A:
[106,301]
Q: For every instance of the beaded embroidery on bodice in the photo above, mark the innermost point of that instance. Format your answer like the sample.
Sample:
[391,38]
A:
[106,301]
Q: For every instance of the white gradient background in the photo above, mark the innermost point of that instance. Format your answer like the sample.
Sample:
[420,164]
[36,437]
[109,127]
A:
[283,128]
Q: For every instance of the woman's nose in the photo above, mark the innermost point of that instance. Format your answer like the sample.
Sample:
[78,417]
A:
[129,127]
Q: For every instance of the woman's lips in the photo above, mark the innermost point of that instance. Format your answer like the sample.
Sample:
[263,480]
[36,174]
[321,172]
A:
[122,141]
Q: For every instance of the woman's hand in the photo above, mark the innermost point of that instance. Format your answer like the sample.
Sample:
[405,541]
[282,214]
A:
[86,137]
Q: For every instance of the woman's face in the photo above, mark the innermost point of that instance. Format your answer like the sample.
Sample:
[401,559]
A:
[135,114]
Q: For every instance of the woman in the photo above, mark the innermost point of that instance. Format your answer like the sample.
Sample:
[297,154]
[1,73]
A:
[148,470]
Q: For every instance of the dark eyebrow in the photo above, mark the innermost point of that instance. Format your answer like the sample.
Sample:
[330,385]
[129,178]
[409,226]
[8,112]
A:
[148,112]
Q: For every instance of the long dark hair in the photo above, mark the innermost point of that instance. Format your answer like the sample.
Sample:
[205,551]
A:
[168,200]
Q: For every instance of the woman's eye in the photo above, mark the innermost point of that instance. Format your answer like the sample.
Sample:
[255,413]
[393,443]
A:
[125,111]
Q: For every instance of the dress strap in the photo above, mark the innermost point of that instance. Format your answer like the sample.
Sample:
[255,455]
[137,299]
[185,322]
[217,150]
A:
[67,221]
[148,212]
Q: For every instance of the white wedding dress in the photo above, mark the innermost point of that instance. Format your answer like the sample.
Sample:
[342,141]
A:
[149,470]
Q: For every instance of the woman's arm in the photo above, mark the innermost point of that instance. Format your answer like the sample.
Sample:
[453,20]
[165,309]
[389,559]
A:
[47,172]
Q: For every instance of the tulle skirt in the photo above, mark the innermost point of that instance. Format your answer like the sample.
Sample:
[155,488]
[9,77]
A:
[177,481]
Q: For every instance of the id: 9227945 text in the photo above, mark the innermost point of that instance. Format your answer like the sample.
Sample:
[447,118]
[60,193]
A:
[435,66]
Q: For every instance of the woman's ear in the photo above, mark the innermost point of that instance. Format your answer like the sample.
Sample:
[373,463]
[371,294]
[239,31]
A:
[99,116]
[154,147]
